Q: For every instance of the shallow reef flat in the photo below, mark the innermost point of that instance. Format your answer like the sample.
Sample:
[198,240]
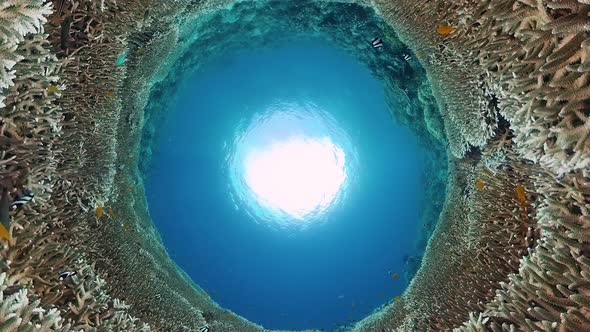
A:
[496,89]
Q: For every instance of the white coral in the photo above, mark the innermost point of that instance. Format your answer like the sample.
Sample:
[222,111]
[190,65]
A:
[18,312]
[17,19]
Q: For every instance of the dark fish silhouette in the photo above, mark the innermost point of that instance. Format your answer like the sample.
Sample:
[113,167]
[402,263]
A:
[64,275]
[377,43]
[23,199]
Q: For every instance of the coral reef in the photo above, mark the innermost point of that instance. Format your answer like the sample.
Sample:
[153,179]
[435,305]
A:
[17,18]
[526,59]
[510,103]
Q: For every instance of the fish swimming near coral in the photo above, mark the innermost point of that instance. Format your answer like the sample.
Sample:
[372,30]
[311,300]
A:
[444,30]
[520,193]
[394,276]
[22,199]
[121,59]
[4,215]
[479,184]
[397,298]
[99,210]
[52,88]
[64,275]
[377,43]
[69,276]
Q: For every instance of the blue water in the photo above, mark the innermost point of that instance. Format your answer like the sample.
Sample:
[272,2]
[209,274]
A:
[321,277]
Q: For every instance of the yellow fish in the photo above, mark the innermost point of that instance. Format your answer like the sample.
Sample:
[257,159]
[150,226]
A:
[444,30]
[397,298]
[479,184]
[520,194]
[4,233]
[52,88]
[4,215]
[99,211]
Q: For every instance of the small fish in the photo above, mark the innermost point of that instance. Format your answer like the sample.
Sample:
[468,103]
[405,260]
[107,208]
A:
[110,212]
[394,276]
[110,93]
[52,88]
[63,276]
[479,184]
[99,210]
[121,59]
[406,57]
[204,329]
[23,199]
[4,216]
[397,298]
[4,233]
[444,30]
[419,54]
[377,43]
[520,193]
[340,297]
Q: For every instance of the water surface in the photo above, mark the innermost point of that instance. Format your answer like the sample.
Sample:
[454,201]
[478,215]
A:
[327,274]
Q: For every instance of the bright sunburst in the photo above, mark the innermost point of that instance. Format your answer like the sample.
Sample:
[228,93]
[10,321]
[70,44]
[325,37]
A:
[298,176]
[290,165]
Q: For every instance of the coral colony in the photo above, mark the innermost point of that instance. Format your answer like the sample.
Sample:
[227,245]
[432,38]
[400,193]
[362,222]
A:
[510,251]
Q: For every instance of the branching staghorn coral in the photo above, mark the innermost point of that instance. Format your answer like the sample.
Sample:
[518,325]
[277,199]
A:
[550,291]
[483,236]
[17,19]
[40,247]
[18,313]
[536,56]
[531,56]
[514,233]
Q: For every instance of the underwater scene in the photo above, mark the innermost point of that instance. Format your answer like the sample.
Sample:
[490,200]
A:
[270,217]
[303,165]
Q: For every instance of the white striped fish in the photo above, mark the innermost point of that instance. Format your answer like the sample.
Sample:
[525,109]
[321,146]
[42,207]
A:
[23,199]
[377,43]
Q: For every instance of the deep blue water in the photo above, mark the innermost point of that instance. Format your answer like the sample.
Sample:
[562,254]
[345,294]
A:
[331,274]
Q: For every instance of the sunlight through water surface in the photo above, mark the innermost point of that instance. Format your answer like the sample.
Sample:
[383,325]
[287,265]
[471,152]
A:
[291,165]
[298,175]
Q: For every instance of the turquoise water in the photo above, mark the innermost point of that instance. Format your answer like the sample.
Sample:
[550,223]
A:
[339,267]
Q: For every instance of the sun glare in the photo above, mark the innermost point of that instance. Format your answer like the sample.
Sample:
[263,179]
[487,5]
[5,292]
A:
[297,176]
[290,165]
